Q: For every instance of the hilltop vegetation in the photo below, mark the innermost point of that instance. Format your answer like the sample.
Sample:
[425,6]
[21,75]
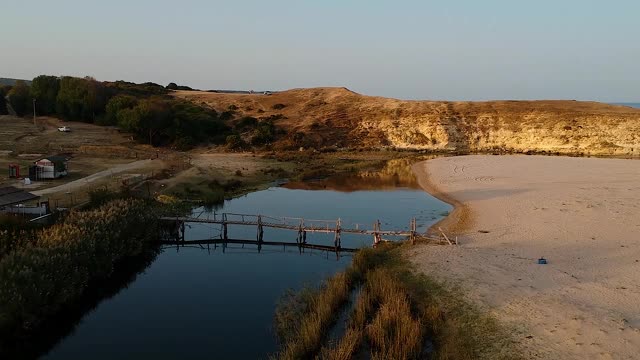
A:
[145,109]
[337,117]
[330,118]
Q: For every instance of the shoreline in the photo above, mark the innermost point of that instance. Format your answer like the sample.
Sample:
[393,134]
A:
[459,219]
[579,213]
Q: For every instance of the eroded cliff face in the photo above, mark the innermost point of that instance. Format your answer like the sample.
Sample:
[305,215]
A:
[339,117]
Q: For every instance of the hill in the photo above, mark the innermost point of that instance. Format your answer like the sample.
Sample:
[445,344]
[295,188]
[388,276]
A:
[11,82]
[337,116]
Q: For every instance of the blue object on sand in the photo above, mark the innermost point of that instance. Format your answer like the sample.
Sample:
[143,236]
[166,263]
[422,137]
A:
[542,261]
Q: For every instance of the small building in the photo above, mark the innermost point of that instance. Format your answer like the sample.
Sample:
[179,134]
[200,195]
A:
[17,201]
[51,167]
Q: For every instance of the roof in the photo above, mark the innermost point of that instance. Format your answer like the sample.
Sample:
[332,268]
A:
[55,159]
[10,195]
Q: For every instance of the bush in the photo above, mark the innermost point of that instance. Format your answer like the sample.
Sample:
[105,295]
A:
[246,122]
[235,142]
[278,106]
[264,133]
[37,281]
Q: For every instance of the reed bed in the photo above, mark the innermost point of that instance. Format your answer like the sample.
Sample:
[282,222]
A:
[40,277]
[304,336]
[397,310]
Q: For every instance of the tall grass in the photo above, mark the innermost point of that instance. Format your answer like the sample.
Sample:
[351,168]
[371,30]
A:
[394,332]
[38,279]
[397,309]
[303,336]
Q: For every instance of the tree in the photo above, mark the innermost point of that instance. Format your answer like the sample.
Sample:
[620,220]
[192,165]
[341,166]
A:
[149,120]
[20,98]
[172,86]
[80,99]
[45,90]
[115,105]
[4,90]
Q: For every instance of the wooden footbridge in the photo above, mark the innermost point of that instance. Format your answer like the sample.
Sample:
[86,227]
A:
[300,226]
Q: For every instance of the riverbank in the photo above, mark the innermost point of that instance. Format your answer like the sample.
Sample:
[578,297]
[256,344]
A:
[579,213]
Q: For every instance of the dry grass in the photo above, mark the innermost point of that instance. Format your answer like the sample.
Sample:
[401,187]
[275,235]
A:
[341,118]
[347,347]
[304,340]
[397,310]
[394,332]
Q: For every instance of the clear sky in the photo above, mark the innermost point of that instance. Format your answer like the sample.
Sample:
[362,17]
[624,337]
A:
[451,50]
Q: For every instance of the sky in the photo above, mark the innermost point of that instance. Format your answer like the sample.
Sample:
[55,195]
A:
[439,50]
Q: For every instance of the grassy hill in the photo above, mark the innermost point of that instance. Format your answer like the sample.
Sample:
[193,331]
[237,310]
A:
[321,117]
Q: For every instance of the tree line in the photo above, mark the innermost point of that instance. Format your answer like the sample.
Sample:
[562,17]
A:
[146,110]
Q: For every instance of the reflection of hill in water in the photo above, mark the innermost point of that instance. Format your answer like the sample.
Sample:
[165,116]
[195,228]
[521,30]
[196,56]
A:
[396,173]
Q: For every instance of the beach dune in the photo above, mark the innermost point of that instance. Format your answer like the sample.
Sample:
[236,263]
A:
[581,214]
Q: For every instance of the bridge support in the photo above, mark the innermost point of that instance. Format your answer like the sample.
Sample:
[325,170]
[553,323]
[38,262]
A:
[413,231]
[260,233]
[336,240]
[377,237]
[224,227]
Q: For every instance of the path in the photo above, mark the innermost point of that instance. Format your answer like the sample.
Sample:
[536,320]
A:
[97,176]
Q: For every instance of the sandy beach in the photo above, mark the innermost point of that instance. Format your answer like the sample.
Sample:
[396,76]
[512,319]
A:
[581,214]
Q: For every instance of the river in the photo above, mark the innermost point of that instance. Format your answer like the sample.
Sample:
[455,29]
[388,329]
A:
[199,302]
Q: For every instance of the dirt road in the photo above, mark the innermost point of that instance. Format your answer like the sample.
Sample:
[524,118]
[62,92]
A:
[97,176]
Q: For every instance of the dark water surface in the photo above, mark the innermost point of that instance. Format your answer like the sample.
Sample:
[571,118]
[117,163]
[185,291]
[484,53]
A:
[633,105]
[197,303]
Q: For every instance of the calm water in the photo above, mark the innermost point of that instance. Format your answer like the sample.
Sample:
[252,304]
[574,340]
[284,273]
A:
[634,105]
[197,303]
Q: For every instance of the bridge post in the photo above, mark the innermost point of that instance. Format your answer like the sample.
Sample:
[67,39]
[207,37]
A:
[260,231]
[412,236]
[376,233]
[336,241]
[224,226]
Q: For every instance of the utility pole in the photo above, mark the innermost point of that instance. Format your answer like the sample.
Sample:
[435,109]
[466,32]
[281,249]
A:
[34,112]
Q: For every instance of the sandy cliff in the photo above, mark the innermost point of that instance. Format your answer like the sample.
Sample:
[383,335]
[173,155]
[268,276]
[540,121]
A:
[337,116]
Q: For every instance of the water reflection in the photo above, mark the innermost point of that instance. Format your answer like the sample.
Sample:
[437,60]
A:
[211,300]
[56,328]
[395,174]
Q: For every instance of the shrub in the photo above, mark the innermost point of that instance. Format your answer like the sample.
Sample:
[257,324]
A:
[235,142]
[37,281]
[246,122]
[278,106]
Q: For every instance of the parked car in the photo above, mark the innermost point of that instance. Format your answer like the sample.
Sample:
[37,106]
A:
[64,129]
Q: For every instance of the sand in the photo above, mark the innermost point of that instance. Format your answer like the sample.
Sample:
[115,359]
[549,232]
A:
[582,214]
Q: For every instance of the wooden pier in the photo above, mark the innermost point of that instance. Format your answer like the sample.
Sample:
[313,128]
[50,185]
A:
[299,225]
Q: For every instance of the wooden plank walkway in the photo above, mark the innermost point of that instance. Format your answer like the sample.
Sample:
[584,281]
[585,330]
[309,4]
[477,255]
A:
[254,242]
[300,225]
